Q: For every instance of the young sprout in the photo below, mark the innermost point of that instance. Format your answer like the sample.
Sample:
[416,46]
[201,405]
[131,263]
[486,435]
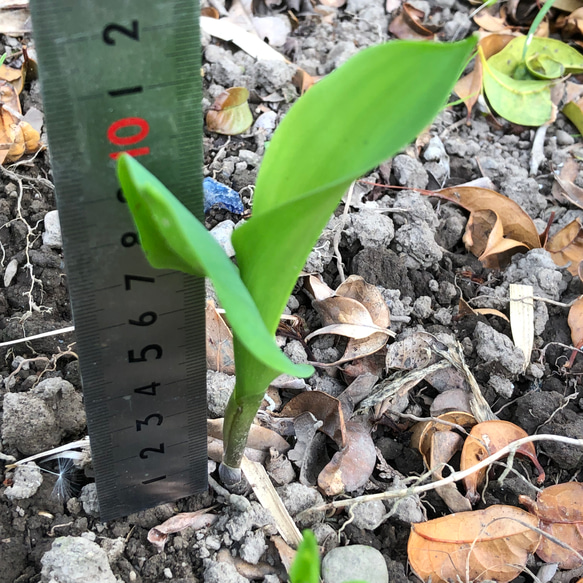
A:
[348,123]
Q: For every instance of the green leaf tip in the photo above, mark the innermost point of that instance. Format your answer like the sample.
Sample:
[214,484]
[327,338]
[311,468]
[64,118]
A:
[306,565]
[172,238]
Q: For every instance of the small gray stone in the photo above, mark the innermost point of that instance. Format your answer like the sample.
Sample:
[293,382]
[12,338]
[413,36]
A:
[422,307]
[222,234]
[538,269]
[296,498]
[250,157]
[354,562]
[253,547]
[371,229]
[564,139]
[273,75]
[89,499]
[409,172]
[222,572]
[52,236]
[417,244]
[503,386]
[75,559]
[296,352]
[10,272]
[219,389]
[25,482]
[369,515]
[340,53]
[266,123]
[496,348]
[443,316]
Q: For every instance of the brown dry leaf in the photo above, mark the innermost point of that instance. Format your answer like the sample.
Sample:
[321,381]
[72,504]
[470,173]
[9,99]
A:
[369,296]
[568,189]
[197,520]
[15,22]
[351,467]
[358,311]
[469,88]
[324,407]
[486,439]
[317,288]
[12,76]
[491,544]
[484,237]
[260,438]
[568,173]
[423,432]
[303,80]
[560,511]
[215,451]
[220,355]
[286,553]
[408,24]
[517,225]
[210,12]
[464,309]
[230,113]
[571,24]
[575,321]
[252,572]
[566,246]
[17,137]
[373,364]
[490,23]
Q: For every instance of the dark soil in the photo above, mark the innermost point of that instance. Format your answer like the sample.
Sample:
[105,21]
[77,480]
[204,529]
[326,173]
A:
[422,270]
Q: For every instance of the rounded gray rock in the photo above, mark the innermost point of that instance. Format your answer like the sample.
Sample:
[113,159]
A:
[74,559]
[355,562]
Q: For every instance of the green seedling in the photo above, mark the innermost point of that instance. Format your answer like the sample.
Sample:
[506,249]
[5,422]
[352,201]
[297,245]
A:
[306,565]
[345,125]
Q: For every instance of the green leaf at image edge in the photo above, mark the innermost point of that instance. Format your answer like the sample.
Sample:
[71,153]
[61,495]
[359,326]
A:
[172,238]
[306,565]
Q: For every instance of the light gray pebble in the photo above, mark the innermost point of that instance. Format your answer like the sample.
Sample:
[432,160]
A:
[443,316]
[496,348]
[26,481]
[222,234]
[272,75]
[253,547]
[219,389]
[296,352]
[354,562]
[369,515]
[222,572]
[417,243]
[88,497]
[422,307]
[74,559]
[503,386]
[409,172]
[296,498]
[564,138]
[370,228]
[52,236]
[250,158]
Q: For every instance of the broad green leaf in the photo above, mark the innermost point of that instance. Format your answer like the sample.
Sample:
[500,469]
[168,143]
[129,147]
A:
[522,102]
[510,57]
[172,238]
[306,565]
[349,122]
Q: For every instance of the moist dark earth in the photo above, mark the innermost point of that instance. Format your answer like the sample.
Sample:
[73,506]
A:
[407,244]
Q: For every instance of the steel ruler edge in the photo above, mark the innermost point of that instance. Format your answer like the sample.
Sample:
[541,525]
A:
[124,75]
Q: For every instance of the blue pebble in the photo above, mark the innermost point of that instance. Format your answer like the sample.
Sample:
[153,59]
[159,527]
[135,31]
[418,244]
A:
[222,196]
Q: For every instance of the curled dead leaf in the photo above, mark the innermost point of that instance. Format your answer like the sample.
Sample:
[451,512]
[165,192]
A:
[560,511]
[260,438]
[491,544]
[486,439]
[220,355]
[351,467]
[324,407]
[408,24]
[575,321]
[566,246]
[197,520]
[516,224]
[230,113]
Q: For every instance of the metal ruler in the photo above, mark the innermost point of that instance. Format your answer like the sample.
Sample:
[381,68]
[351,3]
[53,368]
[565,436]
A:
[124,76]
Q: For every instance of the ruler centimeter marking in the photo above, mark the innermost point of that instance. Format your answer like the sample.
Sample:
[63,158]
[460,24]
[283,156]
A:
[124,76]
